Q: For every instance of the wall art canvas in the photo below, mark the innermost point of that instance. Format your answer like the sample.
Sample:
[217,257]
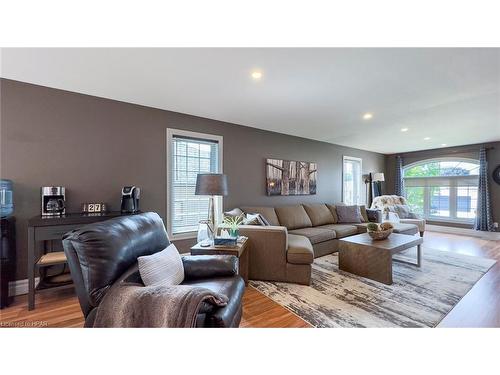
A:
[286,177]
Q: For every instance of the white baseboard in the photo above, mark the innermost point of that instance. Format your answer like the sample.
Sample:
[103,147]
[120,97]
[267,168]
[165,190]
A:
[492,236]
[19,287]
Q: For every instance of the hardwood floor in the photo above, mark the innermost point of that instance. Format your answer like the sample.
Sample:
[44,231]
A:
[479,308]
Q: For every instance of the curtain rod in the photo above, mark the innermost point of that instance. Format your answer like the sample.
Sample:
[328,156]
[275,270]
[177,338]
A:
[440,151]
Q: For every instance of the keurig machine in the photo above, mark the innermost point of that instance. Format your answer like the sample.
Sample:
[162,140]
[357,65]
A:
[53,200]
[130,199]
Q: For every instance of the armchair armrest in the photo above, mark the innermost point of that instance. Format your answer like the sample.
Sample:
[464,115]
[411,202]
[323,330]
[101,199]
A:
[374,215]
[207,266]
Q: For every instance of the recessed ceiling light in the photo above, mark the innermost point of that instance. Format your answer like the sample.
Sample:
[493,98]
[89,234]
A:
[256,75]
[367,116]
[427,138]
[443,144]
[404,129]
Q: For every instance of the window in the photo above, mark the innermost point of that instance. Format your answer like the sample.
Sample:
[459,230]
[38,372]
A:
[188,154]
[443,189]
[352,181]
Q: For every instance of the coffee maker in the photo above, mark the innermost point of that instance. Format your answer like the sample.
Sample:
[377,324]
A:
[53,200]
[130,199]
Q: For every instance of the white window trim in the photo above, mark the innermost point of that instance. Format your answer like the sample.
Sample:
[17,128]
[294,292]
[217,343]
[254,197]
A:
[169,164]
[361,183]
[453,186]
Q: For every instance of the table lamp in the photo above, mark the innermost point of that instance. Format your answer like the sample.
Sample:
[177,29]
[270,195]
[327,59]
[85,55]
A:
[211,184]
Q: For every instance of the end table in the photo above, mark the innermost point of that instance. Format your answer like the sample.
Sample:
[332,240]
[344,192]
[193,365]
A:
[240,251]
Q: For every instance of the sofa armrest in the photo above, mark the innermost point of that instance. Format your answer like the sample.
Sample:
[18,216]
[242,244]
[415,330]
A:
[374,215]
[267,251]
[208,266]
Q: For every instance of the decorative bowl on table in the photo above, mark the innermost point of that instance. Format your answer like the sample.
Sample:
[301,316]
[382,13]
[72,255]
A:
[379,232]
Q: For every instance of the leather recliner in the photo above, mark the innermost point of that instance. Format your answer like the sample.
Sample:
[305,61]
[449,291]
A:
[104,253]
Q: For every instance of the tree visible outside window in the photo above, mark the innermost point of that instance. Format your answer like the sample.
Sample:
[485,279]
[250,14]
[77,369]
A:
[443,189]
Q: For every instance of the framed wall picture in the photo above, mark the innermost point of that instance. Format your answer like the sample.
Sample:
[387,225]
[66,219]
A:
[287,177]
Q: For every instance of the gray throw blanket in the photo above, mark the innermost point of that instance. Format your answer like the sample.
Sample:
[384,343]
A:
[154,306]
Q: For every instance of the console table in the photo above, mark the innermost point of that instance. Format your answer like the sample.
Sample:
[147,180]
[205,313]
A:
[47,228]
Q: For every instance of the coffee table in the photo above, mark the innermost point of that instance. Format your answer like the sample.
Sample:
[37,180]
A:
[363,256]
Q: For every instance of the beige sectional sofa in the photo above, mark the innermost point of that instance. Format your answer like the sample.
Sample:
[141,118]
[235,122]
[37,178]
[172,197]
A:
[285,250]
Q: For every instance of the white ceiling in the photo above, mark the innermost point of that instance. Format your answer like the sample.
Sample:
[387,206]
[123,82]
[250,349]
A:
[451,95]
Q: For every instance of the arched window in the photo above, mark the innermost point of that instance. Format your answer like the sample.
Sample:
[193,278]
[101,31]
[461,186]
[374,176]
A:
[443,189]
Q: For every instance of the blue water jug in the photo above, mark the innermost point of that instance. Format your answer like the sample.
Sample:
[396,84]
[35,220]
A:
[6,198]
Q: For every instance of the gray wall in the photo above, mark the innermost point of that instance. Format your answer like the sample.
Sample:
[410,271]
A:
[468,151]
[94,146]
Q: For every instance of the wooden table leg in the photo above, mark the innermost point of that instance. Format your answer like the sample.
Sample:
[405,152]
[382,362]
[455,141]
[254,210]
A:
[31,268]
[244,262]
[372,263]
[419,255]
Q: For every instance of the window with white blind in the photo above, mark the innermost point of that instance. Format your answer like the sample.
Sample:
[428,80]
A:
[189,153]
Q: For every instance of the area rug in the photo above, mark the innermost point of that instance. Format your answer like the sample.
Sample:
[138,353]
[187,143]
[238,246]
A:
[418,297]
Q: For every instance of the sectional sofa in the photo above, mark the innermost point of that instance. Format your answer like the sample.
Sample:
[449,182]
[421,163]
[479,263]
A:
[285,250]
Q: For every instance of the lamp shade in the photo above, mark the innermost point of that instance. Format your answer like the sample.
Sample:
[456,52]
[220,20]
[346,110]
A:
[211,184]
[378,177]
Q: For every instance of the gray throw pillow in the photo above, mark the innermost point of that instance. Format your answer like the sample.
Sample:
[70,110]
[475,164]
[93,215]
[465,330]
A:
[349,214]
[255,219]
[402,210]
[235,212]
[165,267]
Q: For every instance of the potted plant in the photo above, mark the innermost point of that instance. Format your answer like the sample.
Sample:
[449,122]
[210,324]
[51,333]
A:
[232,223]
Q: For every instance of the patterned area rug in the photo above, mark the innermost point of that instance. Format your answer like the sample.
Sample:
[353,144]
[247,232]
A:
[418,297]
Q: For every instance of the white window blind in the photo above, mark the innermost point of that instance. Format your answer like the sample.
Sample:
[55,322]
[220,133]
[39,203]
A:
[190,156]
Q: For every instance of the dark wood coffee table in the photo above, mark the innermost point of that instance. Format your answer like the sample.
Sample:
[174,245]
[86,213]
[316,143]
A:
[363,256]
[240,251]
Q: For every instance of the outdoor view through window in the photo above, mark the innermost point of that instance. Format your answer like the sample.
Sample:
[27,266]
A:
[443,189]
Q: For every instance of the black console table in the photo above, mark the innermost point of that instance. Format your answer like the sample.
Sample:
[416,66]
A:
[42,229]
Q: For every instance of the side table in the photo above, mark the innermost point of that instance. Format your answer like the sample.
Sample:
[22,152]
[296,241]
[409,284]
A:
[240,251]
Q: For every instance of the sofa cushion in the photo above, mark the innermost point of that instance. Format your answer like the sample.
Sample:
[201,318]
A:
[402,228]
[348,214]
[300,250]
[361,227]
[341,230]
[333,211]
[420,223]
[267,212]
[319,214]
[293,217]
[315,235]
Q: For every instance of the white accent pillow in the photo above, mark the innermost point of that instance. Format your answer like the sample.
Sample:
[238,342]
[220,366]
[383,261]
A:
[164,266]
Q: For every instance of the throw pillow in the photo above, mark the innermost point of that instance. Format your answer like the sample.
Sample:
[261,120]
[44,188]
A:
[348,214]
[164,266]
[235,212]
[255,219]
[402,210]
[364,214]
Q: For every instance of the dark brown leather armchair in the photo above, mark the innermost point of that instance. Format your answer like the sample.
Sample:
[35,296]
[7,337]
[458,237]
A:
[104,253]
